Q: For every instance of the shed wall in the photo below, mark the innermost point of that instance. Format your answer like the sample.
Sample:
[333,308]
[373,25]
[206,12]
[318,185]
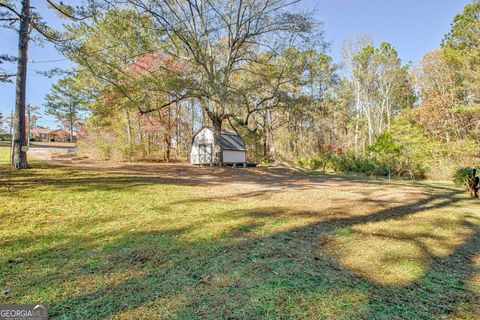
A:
[231,156]
[203,137]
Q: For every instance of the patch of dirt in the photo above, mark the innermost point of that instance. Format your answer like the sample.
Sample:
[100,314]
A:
[275,186]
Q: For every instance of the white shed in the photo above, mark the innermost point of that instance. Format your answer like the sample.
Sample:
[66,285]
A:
[233,148]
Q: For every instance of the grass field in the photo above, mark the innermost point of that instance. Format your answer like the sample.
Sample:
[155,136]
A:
[176,242]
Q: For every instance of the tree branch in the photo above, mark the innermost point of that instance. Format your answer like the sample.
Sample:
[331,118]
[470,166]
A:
[6,6]
[65,13]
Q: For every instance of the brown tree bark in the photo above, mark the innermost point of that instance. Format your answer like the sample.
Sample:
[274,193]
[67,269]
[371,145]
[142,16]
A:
[217,136]
[168,137]
[71,128]
[19,153]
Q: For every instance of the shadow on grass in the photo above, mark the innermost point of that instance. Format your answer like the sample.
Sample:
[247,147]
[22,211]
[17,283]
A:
[120,176]
[242,274]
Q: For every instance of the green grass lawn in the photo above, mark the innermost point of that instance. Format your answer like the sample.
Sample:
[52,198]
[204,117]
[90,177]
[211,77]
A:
[102,245]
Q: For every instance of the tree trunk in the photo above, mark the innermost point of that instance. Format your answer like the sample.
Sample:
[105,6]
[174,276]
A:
[205,115]
[168,138]
[265,136]
[168,146]
[368,113]
[357,114]
[333,139]
[192,105]
[265,147]
[217,136]
[177,122]
[389,122]
[19,140]
[355,139]
[71,128]
[128,128]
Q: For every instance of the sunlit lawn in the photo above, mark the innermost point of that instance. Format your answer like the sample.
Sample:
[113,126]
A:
[98,245]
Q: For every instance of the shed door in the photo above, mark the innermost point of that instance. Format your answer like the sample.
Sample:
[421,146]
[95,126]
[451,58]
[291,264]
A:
[205,153]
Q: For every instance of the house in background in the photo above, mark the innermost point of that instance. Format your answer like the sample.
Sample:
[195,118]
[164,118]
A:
[61,135]
[232,145]
[40,134]
[4,135]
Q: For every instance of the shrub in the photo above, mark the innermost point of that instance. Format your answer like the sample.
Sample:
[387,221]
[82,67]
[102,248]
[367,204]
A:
[322,160]
[406,151]
[303,162]
[461,175]
[312,163]
[386,157]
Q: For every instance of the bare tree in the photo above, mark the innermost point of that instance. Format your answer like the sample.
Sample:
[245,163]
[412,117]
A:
[350,49]
[216,37]
[380,86]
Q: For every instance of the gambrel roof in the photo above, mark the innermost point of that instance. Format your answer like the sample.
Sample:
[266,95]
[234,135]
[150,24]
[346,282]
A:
[229,140]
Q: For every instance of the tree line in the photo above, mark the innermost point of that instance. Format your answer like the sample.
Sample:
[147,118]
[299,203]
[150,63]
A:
[149,74]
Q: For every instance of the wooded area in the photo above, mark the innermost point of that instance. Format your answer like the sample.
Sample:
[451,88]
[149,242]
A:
[148,75]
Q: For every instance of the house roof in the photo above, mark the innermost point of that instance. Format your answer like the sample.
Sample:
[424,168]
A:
[59,132]
[39,130]
[229,140]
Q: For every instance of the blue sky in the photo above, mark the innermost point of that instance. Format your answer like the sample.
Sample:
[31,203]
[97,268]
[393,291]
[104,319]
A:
[414,27]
